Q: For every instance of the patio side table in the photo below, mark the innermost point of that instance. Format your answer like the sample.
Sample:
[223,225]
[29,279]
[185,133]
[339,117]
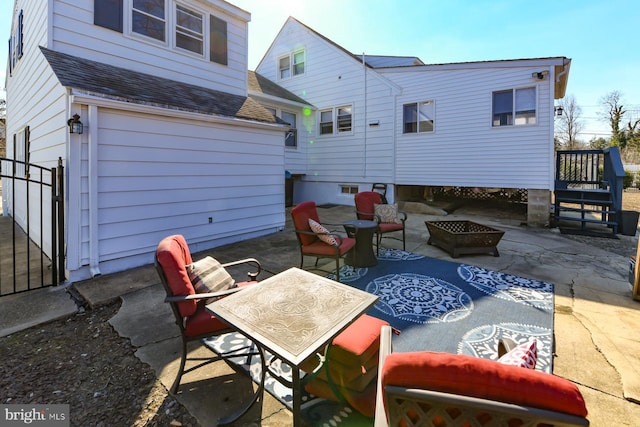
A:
[362,255]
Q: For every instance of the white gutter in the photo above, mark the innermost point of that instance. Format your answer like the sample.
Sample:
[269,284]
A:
[168,112]
[366,120]
[94,255]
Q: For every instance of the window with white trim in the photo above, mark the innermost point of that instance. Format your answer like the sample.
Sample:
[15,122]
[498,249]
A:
[16,41]
[148,18]
[21,151]
[348,189]
[291,64]
[418,117]
[189,29]
[514,107]
[291,136]
[170,22]
[343,122]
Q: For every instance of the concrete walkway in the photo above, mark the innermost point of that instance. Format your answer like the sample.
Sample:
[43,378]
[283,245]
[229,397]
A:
[597,345]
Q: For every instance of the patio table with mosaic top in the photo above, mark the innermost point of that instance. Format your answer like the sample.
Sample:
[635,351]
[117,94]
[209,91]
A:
[293,315]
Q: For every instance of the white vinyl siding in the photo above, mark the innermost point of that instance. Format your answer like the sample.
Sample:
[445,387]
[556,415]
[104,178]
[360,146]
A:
[361,155]
[34,99]
[74,33]
[472,152]
[175,174]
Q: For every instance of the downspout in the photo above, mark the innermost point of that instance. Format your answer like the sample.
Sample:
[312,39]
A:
[563,72]
[364,162]
[92,177]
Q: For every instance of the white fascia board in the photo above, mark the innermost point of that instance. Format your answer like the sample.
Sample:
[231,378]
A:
[80,98]
[515,63]
[270,99]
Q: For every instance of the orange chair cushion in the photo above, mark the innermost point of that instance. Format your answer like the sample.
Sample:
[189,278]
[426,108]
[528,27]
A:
[358,343]
[483,378]
[203,322]
[355,378]
[173,255]
[363,402]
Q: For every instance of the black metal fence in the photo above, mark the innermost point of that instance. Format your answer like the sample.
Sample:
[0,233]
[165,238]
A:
[31,226]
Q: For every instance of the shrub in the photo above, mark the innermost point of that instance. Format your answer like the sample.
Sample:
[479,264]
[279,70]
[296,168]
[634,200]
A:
[627,181]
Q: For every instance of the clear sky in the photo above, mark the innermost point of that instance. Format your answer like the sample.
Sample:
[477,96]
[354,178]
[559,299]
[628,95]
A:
[601,37]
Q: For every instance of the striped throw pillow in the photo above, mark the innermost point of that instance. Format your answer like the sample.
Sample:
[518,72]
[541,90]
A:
[208,275]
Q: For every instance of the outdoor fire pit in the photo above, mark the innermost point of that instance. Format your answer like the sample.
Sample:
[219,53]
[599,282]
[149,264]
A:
[463,237]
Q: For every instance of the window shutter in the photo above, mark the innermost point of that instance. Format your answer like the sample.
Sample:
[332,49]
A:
[19,44]
[10,57]
[218,40]
[108,14]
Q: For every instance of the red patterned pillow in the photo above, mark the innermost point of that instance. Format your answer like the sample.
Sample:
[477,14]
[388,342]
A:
[318,228]
[525,355]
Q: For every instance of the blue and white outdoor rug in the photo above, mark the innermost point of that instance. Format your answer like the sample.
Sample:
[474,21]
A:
[437,306]
[456,308]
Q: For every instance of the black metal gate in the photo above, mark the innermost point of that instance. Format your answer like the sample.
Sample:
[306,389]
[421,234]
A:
[31,226]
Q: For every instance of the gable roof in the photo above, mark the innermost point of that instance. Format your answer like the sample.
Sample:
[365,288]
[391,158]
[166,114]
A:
[262,85]
[111,82]
[378,62]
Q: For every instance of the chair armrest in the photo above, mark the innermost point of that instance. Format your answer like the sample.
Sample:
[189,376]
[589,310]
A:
[385,350]
[180,298]
[312,233]
[253,275]
[402,216]
[374,217]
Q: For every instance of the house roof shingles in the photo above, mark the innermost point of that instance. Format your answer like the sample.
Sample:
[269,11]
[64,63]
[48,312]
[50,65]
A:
[261,84]
[121,84]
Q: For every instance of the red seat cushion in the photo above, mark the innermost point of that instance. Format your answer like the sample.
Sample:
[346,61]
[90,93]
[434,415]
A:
[483,378]
[387,227]
[203,322]
[321,248]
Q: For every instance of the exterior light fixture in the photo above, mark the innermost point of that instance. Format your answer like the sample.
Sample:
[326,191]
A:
[558,111]
[75,125]
[539,75]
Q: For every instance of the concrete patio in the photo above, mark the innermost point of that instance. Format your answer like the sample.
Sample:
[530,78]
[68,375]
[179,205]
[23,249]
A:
[597,345]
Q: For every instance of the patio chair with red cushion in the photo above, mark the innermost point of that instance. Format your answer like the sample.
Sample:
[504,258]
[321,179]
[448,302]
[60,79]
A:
[319,243]
[370,206]
[179,274]
[431,388]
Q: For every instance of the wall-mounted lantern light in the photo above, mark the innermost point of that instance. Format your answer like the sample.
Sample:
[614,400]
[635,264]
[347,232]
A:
[75,125]
[558,111]
[539,75]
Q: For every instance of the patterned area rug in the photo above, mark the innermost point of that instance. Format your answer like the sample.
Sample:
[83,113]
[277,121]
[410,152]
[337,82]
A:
[438,306]
[456,308]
